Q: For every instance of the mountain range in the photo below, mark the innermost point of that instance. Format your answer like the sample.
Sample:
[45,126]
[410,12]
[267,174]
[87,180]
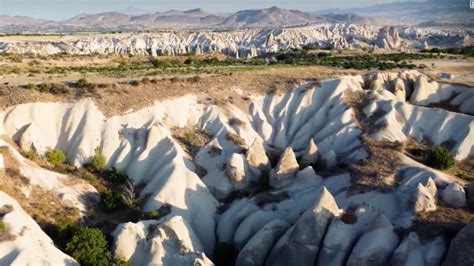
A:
[432,13]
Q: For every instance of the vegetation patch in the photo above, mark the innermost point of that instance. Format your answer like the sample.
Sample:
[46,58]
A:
[192,139]
[440,158]
[55,157]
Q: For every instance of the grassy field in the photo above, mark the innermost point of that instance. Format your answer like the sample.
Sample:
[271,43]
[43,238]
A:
[116,66]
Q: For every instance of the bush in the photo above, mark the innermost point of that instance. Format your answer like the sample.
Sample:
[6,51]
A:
[87,245]
[98,161]
[153,215]
[56,157]
[82,83]
[117,176]
[30,86]
[111,200]
[44,87]
[2,225]
[440,158]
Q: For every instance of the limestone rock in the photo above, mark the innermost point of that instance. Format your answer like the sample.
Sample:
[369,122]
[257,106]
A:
[408,252]
[23,242]
[310,155]
[376,244]
[434,251]
[422,200]
[454,195]
[430,185]
[461,250]
[256,156]
[285,170]
[232,217]
[238,171]
[171,242]
[257,248]
[301,244]
[337,244]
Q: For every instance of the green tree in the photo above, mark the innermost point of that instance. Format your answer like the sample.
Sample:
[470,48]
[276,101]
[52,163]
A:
[88,246]
[440,158]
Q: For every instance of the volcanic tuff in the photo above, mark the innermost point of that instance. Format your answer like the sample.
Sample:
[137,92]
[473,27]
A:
[248,43]
[307,217]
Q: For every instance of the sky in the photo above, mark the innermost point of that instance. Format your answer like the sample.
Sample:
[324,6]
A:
[63,9]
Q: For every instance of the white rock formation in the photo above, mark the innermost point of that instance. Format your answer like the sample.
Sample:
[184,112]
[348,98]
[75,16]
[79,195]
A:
[302,242]
[27,244]
[376,244]
[409,252]
[285,170]
[169,242]
[454,195]
[259,246]
[256,156]
[422,200]
[310,155]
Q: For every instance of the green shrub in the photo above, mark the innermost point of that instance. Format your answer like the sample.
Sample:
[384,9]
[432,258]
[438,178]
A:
[440,158]
[98,161]
[30,86]
[117,176]
[55,157]
[111,200]
[87,245]
[155,214]
[2,225]
[44,87]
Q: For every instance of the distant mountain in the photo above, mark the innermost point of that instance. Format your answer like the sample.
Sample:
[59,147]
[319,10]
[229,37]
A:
[437,12]
[426,13]
[22,20]
[270,17]
[106,19]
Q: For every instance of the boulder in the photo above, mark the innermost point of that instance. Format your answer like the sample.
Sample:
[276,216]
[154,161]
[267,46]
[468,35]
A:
[422,200]
[256,156]
[462,246]
[285,170]
[408,252]
[310,155]
[454,195]
[301,244]
[376,244]
[257,248]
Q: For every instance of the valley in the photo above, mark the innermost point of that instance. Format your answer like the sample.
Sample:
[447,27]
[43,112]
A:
[261,137]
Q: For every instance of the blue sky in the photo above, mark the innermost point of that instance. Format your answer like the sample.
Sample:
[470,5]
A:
[62,9]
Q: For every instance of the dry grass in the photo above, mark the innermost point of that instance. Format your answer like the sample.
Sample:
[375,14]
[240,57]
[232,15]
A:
[191,139]
[383,156]
[235,139]
[212,89]
[444,221]
[43,205]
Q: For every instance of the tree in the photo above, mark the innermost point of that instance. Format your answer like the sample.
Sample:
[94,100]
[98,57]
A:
[88,246]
